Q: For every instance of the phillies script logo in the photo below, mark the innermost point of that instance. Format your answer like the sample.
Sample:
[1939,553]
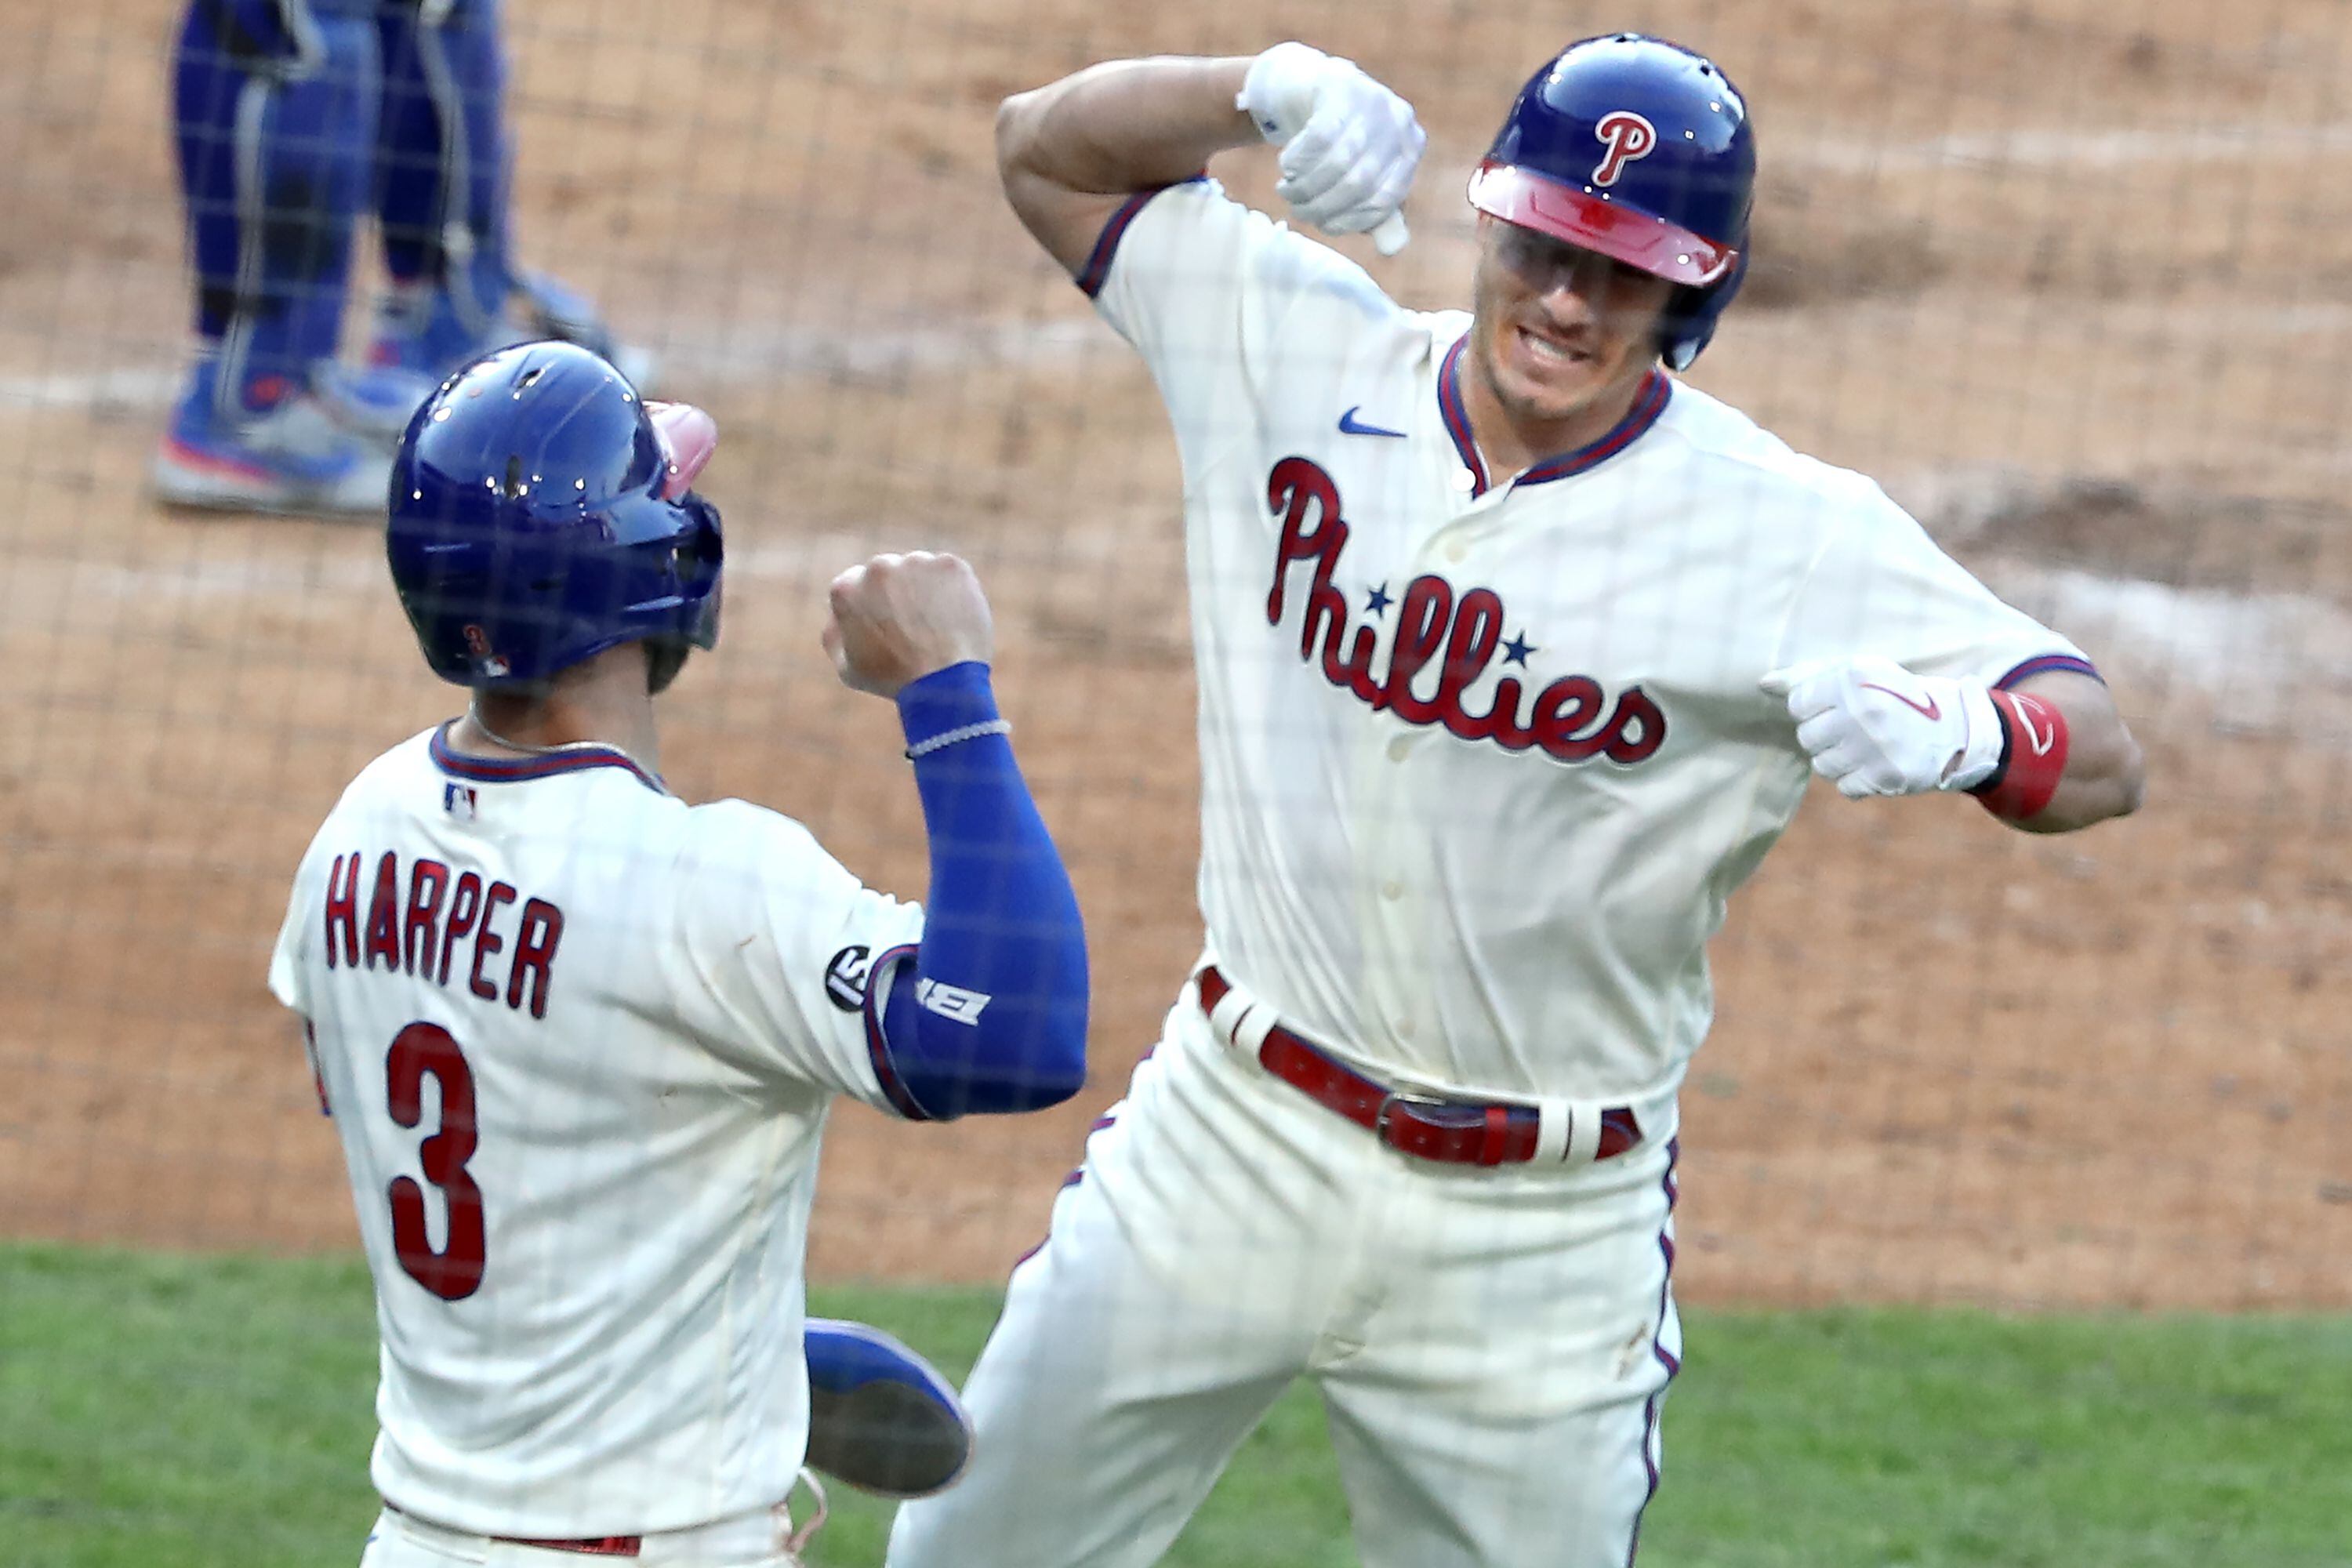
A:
[1627,136]
[1455,634]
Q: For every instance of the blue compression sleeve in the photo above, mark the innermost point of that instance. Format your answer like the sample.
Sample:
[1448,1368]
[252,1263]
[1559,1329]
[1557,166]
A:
[993,1020]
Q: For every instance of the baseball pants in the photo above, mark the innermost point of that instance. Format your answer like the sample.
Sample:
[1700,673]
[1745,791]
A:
[752,1540]
[1491,1345]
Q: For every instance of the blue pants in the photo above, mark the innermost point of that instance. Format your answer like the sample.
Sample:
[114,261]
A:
[291,115]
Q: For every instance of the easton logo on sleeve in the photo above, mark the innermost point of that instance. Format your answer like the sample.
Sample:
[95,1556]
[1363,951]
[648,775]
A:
[1453,634]
[952,1000]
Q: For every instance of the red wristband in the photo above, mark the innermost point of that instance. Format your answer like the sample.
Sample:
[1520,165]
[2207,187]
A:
[2033,757]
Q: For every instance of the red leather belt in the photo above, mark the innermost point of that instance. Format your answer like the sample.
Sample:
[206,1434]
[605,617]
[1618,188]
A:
[1451,1131]
[588,1546]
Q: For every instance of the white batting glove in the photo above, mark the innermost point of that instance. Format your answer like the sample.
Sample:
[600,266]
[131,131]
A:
[1348,145]
[1871,726]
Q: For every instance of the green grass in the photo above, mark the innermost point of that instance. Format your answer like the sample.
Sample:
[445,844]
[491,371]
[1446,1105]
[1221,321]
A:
[192,1411]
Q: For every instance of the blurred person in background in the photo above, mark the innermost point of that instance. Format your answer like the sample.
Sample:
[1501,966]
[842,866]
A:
[291,116]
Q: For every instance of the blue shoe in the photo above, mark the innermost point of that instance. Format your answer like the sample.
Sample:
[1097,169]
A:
[420,330]
[425,331]
[881,1418]
[554,310]
[279,452]
[373,401]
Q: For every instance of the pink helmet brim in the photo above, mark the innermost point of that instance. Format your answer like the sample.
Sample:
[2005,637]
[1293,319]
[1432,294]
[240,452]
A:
[1647,243]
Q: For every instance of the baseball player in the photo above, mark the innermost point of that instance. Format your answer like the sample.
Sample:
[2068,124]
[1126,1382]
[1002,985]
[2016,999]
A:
[1515,652]
[291,116]
[579,1037]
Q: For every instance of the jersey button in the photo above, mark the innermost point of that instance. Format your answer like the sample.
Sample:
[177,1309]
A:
[1404,1028]
[1457,552]
[1399,748]
[1463,481]
[1393,890]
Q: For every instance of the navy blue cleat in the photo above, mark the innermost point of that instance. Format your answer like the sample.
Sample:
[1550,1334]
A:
[282,452]
[881,1418]
[428,332]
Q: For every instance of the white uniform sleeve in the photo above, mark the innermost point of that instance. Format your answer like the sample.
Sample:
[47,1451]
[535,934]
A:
[781,943]
[290,977]
[1208,292]
[1881,586]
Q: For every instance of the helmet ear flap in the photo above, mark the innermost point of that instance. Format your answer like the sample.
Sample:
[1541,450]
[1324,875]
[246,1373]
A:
[665,656]
[1689,322]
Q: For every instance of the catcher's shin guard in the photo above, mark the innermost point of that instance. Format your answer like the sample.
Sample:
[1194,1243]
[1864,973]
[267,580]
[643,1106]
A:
[881,1418]
[273,109]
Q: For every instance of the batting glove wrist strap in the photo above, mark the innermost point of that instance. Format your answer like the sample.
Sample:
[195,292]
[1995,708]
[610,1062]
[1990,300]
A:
[1279,92]
[1979,755]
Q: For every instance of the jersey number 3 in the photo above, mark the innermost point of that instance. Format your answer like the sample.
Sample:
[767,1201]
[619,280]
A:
[455,1272]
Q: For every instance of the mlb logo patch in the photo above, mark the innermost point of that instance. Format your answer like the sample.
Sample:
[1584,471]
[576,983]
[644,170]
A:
[459,800]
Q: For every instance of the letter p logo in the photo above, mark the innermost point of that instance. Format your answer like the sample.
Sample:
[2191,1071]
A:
[1626,136]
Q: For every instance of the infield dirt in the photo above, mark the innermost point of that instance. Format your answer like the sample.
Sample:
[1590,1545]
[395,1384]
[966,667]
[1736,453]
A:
[2067,277]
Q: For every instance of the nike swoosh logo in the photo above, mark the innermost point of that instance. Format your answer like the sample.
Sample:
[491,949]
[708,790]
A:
[1350,426]
[2041,741]
[1926,709]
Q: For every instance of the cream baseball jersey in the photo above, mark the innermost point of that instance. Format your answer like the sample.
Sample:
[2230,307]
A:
[578,1039]
[1484,757]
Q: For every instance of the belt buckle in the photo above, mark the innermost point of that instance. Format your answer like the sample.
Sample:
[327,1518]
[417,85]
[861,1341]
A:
[1397,1097]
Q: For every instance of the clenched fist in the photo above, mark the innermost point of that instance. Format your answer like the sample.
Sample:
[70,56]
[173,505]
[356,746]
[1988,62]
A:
[896,618]
[1349,146]
[1871,726]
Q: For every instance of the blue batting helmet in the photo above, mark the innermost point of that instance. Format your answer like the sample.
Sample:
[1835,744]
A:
[1639,149]
[540,515]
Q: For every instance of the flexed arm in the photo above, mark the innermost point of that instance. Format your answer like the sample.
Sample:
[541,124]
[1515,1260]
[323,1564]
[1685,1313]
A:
[2048,755]
[1069,153]
[994,1017]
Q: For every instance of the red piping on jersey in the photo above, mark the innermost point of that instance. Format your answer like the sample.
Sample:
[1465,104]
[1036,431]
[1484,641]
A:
[1665,1358]
[878,1043]
[1655,393]
[2044,664]
[521,770]
[1456,417]
[1096,271]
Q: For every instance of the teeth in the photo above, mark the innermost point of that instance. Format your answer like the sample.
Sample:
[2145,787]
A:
[1547,349]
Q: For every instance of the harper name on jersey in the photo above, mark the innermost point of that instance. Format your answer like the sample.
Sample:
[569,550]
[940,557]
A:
[407,934]
[579,1044]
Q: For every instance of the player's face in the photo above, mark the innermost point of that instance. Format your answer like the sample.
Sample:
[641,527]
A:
[1558,327]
